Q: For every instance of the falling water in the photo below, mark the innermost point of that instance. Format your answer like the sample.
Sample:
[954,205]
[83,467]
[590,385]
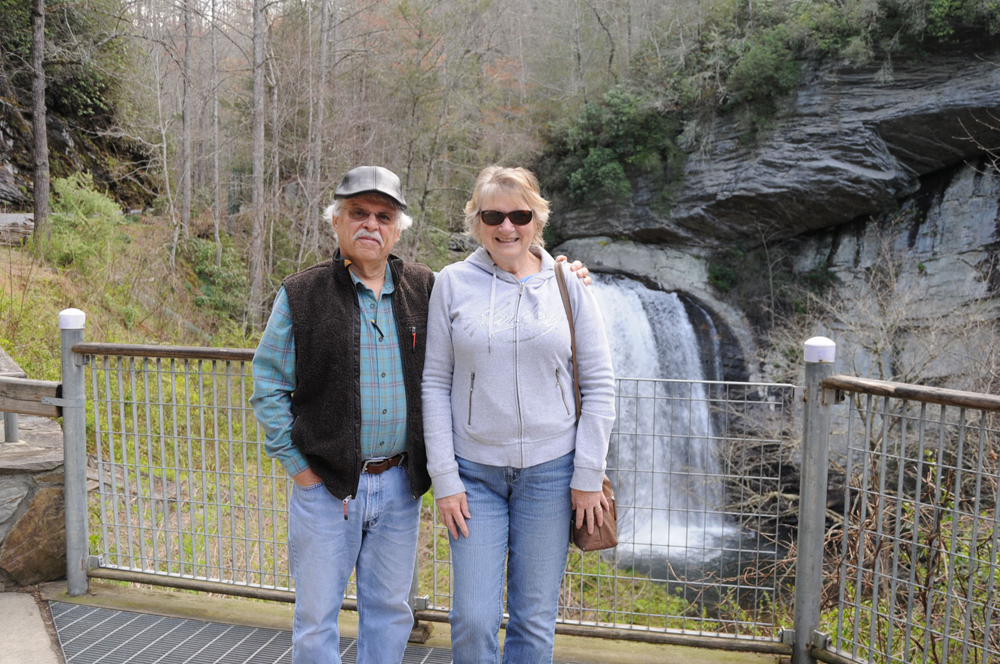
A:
[667,481]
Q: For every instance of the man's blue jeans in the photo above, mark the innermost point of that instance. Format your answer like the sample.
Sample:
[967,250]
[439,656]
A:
[379,538]
[521,516]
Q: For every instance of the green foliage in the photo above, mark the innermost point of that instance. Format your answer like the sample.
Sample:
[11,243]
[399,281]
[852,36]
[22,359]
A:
[220,288]
[84,224]
[610,142]
[86,57]
[766,70]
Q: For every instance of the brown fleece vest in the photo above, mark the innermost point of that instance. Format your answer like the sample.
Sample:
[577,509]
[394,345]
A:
[326,324]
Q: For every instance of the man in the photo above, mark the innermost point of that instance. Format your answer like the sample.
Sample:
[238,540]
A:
[337,389]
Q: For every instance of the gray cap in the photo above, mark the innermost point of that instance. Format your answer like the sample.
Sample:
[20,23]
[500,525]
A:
[371,179]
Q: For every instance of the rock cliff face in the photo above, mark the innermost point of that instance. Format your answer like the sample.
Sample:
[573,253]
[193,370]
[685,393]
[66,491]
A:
[843,146]
[116,164]
[852,169]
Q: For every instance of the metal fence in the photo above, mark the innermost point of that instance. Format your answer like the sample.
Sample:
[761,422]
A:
[917,570]
[907,573]
[187,493]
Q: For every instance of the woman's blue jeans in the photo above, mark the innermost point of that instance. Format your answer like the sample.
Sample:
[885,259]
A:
[519,516]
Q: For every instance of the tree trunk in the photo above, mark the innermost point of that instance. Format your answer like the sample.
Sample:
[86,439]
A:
[186,159]
[41,188]
[312,153]
[256,308]
[216,186]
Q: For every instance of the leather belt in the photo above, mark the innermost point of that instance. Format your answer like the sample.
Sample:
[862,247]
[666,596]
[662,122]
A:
[375,467]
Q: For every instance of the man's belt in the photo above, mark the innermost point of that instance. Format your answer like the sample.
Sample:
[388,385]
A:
[376,466]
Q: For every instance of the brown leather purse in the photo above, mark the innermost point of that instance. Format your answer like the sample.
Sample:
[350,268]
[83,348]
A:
[604,536]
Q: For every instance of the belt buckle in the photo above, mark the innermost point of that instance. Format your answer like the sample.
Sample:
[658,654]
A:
[373,461]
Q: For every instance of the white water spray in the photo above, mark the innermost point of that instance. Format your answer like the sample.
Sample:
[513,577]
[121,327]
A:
[668,486]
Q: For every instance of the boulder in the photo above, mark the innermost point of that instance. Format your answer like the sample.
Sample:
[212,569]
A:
[12,492]
[35,549]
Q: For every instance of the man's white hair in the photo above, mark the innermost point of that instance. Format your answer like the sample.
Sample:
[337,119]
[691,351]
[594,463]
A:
[403,220]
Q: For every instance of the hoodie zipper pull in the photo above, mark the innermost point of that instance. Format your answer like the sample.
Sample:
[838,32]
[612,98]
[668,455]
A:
[345,506]
[413,330]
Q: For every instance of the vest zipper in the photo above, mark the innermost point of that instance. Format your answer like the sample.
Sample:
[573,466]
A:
[561,393]
[413,331]
[345,506]
[472,386]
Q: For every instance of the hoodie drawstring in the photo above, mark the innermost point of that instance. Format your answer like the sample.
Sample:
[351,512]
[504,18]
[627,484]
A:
[493,299]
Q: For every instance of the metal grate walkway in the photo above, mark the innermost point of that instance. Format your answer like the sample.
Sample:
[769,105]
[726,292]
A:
[90,635]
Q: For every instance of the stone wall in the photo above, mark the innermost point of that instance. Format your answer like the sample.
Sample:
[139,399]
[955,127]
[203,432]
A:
[32,512]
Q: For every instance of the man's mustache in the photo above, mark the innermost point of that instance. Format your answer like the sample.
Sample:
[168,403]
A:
[366,233]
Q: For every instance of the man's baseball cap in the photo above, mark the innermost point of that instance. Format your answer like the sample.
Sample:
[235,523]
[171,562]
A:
[371,179]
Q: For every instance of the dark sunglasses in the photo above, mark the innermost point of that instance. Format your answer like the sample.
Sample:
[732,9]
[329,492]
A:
[496,217]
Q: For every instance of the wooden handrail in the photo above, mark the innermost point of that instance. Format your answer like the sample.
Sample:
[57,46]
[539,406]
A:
[174,352]
[24,396]
[938,395]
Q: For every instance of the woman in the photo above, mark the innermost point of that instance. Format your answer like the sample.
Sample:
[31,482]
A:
[507,456]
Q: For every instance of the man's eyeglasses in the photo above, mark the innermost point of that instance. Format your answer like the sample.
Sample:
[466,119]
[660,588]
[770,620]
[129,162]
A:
[496,217]
[358,214]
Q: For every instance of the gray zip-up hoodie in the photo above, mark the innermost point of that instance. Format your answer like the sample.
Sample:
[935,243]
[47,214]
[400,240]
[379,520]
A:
[498,375]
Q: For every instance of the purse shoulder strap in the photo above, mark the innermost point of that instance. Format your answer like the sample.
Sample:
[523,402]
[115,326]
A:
[561,280]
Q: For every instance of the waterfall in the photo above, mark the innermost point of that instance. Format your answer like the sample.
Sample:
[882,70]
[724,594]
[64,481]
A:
[668,486]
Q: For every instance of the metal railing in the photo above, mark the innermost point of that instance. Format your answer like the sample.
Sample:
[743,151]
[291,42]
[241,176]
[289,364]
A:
[917,564]
[188,494]
[706,555]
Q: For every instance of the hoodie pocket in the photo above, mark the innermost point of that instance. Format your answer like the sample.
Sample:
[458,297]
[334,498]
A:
[562,394]
[472,389]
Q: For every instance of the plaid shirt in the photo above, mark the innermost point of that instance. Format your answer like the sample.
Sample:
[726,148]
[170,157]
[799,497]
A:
[383,395]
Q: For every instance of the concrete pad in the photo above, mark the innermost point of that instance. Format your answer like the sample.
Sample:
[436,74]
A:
[25,638]
[274,615]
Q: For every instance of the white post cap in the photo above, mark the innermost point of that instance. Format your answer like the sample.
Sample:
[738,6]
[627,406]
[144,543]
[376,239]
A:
[72,319]
[820,350]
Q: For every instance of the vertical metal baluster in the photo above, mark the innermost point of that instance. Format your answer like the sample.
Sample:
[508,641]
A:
[974,539]
[990,606]
[126,479]
[218,465]
[848,476]
[953,545]
[246,484]
[230,471]
[151,463]
[136,456]
[192,480]
[917,505]
[161,427]
[929,612]
[897,527]
[179,504]
[199,373]
[99,444]
[862,518]
[258,453]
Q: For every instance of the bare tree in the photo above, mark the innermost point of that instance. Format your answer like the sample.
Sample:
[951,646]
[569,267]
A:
[41,186]
[186,156]
[257,186]
[216,186]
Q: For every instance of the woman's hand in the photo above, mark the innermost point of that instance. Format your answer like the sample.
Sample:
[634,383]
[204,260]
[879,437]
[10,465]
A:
[578,268]
[454,510]
[589,507]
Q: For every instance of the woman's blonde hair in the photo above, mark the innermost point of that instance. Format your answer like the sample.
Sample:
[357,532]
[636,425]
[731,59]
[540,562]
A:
[517,183]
